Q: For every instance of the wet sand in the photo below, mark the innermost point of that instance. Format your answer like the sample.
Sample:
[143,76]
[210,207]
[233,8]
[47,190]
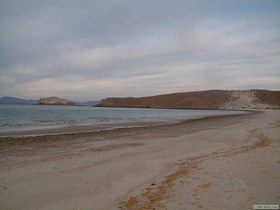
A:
[226,162]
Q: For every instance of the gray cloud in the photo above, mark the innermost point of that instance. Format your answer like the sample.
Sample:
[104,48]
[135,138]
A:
[94,49]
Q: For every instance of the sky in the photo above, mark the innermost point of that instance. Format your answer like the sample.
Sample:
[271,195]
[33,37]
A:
[93,49]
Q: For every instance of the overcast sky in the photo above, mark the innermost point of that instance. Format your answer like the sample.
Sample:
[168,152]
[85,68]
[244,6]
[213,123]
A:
[92,49]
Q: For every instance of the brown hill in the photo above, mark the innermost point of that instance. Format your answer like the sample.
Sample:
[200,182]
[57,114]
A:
[211,99]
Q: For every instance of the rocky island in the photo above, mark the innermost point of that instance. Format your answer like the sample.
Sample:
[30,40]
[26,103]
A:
[55,101]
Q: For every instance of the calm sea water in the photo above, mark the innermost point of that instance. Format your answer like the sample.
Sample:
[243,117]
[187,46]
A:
[28,117]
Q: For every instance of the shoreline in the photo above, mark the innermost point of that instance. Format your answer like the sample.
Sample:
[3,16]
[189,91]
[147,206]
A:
[34,129]
[101,128]
[221,162]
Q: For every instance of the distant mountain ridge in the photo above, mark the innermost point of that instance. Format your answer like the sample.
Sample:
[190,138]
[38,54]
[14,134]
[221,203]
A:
[210,99]
[13,100]
[87,103]
[19,101]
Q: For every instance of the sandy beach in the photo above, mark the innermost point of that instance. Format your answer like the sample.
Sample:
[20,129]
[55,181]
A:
[225,162]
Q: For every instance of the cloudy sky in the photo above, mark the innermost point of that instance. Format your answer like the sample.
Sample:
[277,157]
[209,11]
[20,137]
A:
[92,49]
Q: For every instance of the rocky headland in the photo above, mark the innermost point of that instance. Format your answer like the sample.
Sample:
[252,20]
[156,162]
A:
[210,99]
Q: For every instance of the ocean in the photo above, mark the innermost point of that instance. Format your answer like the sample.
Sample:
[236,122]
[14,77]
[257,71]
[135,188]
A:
[14,118]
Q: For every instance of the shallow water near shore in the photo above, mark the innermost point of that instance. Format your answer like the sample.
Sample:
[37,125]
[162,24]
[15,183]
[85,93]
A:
[24,118]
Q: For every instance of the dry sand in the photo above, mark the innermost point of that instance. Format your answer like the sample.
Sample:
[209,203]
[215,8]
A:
[229,162]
